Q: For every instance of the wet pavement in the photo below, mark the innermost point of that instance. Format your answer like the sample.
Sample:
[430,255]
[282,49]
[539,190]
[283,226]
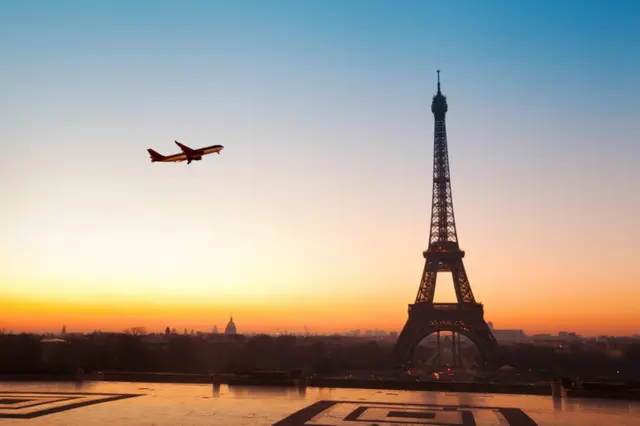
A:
[117,403]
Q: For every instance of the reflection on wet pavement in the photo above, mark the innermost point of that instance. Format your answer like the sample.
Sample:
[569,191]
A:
[117,403]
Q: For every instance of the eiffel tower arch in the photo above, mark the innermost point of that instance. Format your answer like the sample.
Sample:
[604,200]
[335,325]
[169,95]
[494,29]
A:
[466,317]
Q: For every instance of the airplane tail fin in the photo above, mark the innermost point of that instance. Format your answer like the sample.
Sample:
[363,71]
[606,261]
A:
[155,156]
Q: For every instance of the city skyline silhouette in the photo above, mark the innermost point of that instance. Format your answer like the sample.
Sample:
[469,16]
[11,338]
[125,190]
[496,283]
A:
[318,210]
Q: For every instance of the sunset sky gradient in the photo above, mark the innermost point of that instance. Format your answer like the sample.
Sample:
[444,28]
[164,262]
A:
[317,211]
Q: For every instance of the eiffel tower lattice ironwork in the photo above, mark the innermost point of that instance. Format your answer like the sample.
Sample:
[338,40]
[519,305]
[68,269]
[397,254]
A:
[465,317]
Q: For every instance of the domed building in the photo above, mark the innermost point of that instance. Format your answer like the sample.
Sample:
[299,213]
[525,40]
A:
[231,327]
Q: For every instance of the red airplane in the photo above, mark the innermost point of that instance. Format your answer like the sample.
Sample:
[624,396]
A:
[187,154]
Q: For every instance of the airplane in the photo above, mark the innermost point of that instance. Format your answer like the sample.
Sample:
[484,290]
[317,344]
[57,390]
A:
[187,154]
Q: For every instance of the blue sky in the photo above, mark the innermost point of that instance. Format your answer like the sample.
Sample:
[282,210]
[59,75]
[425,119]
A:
[324,111]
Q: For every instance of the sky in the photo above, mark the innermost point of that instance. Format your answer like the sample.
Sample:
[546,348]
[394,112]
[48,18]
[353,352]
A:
[317,211]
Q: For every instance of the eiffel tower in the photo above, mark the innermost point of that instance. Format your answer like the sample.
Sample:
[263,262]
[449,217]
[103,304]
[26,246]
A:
[466,317]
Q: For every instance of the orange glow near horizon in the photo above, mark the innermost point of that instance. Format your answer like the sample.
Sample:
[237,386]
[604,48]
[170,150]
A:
[320,313]
[280,274]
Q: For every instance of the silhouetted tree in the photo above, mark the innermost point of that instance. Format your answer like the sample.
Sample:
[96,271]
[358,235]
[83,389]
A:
[136,331]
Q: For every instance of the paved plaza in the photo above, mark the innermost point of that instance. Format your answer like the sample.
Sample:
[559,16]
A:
[115,403]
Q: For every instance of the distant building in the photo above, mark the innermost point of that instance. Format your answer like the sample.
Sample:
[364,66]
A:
[231,327]
[568,336]
[215,329]
[509,336]
[543,336]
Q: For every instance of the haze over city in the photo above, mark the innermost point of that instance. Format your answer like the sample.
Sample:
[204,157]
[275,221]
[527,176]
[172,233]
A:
[317,211]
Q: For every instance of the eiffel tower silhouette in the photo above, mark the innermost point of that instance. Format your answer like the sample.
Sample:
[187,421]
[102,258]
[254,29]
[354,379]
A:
[466,317]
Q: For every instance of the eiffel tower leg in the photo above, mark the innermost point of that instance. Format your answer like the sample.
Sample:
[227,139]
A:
[425,319]
[461,283]
[427,287]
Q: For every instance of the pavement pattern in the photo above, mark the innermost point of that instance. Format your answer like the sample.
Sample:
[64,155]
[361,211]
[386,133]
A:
[154,404]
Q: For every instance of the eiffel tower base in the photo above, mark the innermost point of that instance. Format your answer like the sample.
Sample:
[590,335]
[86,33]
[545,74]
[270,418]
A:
[427,318]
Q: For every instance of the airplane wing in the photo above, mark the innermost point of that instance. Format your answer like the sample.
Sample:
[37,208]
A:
[186,149]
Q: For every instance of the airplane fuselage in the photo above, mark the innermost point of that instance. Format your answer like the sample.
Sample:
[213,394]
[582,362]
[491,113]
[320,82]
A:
[211,149]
